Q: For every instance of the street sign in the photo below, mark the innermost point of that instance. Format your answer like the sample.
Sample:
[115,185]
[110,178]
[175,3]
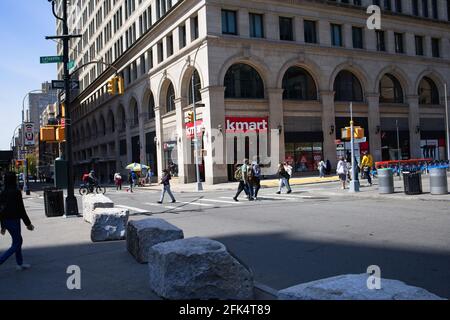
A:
[362,140]
[59,84]
[71,64]
[52,59]
[29,134]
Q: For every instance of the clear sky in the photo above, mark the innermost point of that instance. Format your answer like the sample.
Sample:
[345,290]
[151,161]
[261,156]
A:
[23,27]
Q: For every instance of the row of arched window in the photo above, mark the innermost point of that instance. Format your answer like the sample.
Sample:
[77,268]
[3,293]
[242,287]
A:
[242,81]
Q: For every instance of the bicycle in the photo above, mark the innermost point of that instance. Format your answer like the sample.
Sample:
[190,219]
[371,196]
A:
[87,189]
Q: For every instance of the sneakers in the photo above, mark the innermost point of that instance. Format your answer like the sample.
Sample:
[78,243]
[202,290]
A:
[279,192]
[174,201]
[160,202]
[24,266]
[290,191]
[235,199]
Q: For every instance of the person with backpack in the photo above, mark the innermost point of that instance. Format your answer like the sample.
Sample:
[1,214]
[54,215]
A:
[284,176]
[12,213]
[239,176]
[256,179]
[165,181]
[322,167]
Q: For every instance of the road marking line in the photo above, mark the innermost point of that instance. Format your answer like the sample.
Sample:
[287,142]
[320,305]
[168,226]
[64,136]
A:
[197,204]
[133,209]
[277,197]
[162,206]
[220,201]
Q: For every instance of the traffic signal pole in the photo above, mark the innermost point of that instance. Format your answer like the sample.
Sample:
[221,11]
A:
[71,201]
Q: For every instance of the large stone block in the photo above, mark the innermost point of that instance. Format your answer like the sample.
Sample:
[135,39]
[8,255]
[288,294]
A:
[143,234]
[92,202]
[354,287]
[109,224]
[197,268]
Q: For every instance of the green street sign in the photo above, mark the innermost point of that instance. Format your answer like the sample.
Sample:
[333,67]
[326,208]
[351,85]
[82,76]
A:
[52,59]
[71,64]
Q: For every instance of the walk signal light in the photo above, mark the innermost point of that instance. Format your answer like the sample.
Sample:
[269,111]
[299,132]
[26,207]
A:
[19,163]
[358,133]
[112,86]
[121,85]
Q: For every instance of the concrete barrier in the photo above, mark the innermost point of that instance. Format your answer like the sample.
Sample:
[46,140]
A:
[109,224]
[354,287]
[143,234]
[197,268]
[92,202]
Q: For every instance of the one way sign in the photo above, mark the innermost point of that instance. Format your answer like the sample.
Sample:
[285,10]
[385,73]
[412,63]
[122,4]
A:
[59,84]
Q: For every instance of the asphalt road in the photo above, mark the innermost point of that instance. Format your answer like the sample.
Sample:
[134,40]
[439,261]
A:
[314,233]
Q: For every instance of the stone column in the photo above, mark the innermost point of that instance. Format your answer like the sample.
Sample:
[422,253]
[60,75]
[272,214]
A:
[373,100]
[329,120]
[414,122]
[348,36]
[214,118]
[276,122]
[142,142]
[117,147]
[299,31]
[243,23]
[128,135]
[324,33]
[182,141]
[159,141]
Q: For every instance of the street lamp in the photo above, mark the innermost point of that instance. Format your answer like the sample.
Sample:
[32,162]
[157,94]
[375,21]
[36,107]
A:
[197,166]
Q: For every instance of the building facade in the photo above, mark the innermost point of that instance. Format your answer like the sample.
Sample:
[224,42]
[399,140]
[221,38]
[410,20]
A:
[267,77]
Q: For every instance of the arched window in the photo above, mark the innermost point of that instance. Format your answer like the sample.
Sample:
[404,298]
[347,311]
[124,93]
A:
[347,87]
[102,126]
[135,113]
[111,122]
[298,85]
[390,89]
[94,128]
[170,98]
[88,131]
[122,119]
[197,87]
[150,107]
[243,82]
[428,92]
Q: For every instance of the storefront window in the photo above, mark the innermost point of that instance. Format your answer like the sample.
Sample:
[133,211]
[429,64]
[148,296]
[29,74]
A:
[305,156]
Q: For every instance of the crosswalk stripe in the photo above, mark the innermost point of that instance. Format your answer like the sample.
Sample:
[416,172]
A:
[162,206]
[133,209]
[270,197]
[219,201]
[197,204]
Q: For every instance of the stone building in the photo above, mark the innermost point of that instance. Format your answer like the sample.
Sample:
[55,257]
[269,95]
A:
[290,66]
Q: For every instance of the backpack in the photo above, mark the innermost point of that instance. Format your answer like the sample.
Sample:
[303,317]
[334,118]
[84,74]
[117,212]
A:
[238,174]
[256,170]
[250,173]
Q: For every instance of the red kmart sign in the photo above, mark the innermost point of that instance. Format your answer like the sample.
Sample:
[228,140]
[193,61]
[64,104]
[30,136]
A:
[245,125]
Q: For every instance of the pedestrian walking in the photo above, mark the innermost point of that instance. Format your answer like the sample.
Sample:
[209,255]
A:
[256,179]
[342,171]
[366,167]
[322,167]
[238,177]
[118,181]
[12,212]
[165,181]
[284,176]
[130,181]
[247,176]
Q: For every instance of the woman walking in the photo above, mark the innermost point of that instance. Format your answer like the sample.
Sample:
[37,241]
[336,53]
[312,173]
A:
[284,179]
[165,181]
[342,171]
[118,181]
[12,212]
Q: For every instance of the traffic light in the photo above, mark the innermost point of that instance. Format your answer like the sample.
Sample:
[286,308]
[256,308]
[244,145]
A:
[112,86]
[19,163]
[191,117]
[121,84]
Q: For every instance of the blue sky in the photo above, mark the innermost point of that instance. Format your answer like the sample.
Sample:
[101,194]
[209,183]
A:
[23,27]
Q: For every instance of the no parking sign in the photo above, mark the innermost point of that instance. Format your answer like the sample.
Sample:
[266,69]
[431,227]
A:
[29,134]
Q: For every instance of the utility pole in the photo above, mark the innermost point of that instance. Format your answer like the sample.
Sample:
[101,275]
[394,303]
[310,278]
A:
[354,184]
[71,201]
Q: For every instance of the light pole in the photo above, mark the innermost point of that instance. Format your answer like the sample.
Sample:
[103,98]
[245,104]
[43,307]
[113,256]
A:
[197,166]
[25,180]
[354,184]
[446,121]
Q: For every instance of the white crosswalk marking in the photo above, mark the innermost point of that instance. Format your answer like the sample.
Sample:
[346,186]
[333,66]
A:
[162,206]
[219,201]
[133,209]
[197,204]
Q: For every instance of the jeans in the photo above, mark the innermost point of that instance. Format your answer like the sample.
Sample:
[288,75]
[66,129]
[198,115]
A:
[322,172]
[284,183]
[256,186]
[242,187]
[13,227]
[166,188]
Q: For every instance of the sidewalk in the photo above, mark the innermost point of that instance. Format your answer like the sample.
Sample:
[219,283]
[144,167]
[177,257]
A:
[269,183]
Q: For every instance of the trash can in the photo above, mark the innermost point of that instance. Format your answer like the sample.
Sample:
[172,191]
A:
[438,181]
[385,181]
[412,182]
[53,202]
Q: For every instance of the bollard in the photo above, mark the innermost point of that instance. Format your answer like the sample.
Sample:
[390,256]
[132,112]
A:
[385,181]
[438,181]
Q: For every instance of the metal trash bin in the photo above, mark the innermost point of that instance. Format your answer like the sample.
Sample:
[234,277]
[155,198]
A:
[385,181]
[53,202]
[412,182]
[438,181]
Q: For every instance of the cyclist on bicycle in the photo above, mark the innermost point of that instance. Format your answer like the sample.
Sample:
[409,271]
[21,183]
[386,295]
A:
[92,181]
